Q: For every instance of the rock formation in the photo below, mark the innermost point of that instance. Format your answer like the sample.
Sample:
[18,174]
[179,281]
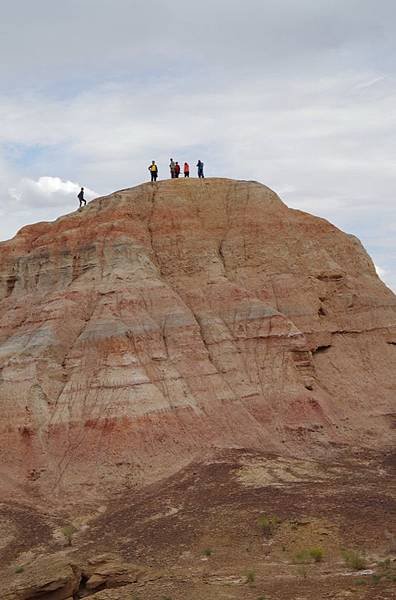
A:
[164,322]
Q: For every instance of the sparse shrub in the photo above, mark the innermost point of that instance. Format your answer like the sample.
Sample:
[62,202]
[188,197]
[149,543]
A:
[250,577]
[302,571]
[354,560]
[384,565]
[385,570]
[316,554]
[361,581]
[268,524]
[208,552]
[308,554]
[302,557]
[19,569]
[68,531]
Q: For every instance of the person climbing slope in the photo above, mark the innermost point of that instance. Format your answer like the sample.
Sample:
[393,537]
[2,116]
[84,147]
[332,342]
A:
[177,170]
[81,198]
[200,166]
[172,168]
[186,170]
[153,171]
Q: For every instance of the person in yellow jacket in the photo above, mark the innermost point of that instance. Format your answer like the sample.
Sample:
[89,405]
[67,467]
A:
[153,171]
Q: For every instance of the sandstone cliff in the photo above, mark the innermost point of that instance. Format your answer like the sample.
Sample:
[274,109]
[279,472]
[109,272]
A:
[167,321]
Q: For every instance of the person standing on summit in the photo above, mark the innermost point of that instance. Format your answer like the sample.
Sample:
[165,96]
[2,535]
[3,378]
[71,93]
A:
[153,171]
[172,168]
[81,198]
[200,166]
[186,170]
[177,170]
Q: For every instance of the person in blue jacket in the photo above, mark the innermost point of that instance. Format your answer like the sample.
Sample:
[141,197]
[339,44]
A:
[200,166]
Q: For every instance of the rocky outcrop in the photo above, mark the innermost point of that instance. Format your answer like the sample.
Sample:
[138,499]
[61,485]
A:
[60,577]
[49,578]
[166,321]
[107,571]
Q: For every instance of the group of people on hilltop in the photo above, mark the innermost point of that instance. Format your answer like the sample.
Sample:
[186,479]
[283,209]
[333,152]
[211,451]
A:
[175,169]
[174,172]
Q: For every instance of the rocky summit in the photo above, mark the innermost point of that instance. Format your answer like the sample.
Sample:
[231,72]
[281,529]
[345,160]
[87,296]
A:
[174,343]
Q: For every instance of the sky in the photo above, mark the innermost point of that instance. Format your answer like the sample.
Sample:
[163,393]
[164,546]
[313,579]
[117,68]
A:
[297,94]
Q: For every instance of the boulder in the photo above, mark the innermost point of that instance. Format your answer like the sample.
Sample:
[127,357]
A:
[48,578]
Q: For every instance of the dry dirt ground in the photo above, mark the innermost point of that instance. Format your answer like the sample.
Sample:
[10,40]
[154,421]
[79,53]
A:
[245,526]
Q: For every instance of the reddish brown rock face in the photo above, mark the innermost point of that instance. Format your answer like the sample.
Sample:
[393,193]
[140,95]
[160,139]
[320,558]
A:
[164,322]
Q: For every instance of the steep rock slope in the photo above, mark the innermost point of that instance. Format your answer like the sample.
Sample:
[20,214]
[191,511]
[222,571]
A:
[167,321]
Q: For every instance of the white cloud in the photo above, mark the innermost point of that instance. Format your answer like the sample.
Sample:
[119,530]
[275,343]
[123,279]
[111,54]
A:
[43,199]
[46,191]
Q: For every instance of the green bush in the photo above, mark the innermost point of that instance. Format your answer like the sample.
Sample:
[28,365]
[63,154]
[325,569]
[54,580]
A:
[68,531]
[208,552]
[250,577]
[308,554]
[384,565]
[302,557]
[316,554]
[302,571]
[19,569]
[354,560]
[268,524]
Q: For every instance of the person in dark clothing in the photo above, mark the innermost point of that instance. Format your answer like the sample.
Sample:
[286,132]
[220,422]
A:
[177,170]
[172,168]
[186,170]
[153,171]
[80,196]
[200,166]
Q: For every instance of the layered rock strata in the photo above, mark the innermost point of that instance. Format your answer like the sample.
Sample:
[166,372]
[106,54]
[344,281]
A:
[167,321]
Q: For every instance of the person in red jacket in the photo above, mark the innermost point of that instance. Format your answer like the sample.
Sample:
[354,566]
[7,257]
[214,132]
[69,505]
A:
[177,170]
[186,170]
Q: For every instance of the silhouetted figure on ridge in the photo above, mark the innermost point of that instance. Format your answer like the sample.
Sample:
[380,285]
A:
[172,168]
[80,196]
[186,170]
[177,170]
[153,171]
[200,166]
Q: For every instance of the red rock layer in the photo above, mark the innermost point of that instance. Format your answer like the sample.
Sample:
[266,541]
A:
[166,321]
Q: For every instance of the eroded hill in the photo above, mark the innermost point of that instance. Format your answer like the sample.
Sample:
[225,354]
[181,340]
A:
[166,322]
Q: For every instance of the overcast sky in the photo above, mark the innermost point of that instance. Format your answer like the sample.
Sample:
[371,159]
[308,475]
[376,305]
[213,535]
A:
[297,94]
